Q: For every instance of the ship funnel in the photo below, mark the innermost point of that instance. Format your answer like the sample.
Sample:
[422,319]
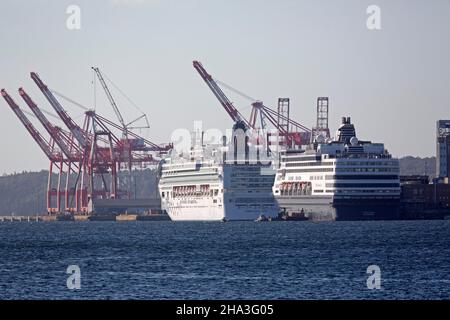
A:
[346,120]
[346,131]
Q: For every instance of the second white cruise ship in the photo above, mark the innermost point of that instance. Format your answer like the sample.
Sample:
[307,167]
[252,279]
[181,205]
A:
[207,186]
[340,179]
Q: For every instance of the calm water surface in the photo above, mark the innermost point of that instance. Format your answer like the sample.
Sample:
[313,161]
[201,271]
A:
[238,260]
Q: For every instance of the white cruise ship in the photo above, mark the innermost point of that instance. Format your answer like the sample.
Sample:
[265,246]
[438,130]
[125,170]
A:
[204,186]
[340,179]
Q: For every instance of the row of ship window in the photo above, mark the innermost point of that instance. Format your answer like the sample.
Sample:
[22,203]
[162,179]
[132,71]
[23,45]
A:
[356,191]
[346,191]
[342,170]
[190,192]
[246,169]
[319,163]
[362,185]
[188,174]
[311,158]
[251,186]
[349,177]
[367,169]
[260,201]
[262,178]
[356,185]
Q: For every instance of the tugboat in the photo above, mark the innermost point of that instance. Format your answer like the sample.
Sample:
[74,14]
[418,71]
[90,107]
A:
[291,216]
[262,218]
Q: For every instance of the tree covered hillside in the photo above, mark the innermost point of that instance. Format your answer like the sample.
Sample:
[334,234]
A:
[25,193]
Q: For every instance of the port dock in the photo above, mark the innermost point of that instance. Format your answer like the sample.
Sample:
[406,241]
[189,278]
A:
[83,218]
[35,218]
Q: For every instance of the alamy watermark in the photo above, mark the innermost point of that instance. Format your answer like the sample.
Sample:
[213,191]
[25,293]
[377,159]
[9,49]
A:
[241,144]
[374,279]
[73,21]
[74,280]
[373,21]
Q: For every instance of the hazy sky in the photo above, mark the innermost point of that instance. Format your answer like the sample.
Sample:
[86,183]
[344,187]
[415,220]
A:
[393,82]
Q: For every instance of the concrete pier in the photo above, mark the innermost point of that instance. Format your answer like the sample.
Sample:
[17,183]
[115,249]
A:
[20,218]
[80,218]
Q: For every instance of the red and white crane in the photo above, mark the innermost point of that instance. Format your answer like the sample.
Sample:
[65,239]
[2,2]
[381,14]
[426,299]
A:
[93,153]
[217,91]
[292,133]
[45,145]
[70,150]
[55,156]
[77,132]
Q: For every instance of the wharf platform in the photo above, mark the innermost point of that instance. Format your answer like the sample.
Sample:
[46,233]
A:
[83,218]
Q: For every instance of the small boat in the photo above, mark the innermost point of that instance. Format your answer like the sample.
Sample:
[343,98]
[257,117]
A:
[262,218]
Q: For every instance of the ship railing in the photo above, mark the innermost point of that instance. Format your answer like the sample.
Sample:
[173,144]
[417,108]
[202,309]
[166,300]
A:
[360,156]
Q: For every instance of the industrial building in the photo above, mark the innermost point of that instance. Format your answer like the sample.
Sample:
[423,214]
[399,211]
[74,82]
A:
[425,201]
[442,149]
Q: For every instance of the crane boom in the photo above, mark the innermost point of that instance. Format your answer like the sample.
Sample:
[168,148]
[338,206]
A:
[111,99]
[299,136]
[153,146]
[52,130]
[294,123]
[217,91]
[43,144]
[71,125]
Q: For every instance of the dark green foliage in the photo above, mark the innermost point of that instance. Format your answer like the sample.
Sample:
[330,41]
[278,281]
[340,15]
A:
[25,193]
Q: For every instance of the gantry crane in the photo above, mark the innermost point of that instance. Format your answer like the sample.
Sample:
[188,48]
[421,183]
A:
[125,126]
[90,152]
[70,150]
[111,100]
[77,132]
[45,146]
[223,99]
[292,133]
[56,158]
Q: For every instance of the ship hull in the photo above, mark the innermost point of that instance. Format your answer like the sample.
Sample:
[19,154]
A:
[329,209]
[207,210]
[194,210]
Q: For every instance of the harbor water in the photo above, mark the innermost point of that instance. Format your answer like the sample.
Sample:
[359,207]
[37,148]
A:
[236,260]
